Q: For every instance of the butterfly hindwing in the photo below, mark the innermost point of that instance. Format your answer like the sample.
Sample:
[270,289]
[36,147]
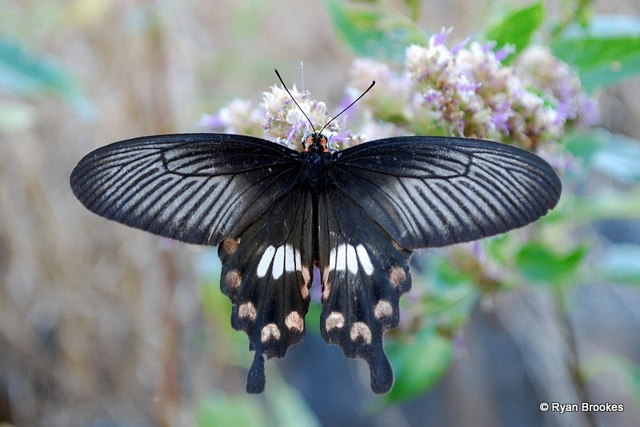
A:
[267,274]
[196,188]
[435,191]
[364,273]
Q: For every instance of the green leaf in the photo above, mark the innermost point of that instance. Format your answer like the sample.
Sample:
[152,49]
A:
[517,28]
[27,75]
[539,264]
[604,53]
[374,30]
[418,365]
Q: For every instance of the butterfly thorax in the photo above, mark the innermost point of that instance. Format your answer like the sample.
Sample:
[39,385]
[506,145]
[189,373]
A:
[316,156]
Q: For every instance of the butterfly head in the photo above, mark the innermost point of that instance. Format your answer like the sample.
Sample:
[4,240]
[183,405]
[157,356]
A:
[316,143]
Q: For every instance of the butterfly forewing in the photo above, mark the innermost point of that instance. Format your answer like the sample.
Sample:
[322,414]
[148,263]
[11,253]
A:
[434,191]
[196,188]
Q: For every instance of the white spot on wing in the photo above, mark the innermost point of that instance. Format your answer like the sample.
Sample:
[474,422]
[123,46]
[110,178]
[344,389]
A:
[265,261]
[352,259]
[290,258]
[333,257]
[278,262]
[298,260]
[282,259]
[365,261]
[344,257]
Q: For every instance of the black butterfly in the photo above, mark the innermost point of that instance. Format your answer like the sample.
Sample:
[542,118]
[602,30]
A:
[356,214]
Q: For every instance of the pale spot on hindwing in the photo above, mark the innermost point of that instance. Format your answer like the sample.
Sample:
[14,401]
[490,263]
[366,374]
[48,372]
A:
[326,290]
[304,291]
[396,246]
[265,261]
[325,274]
[350,258]
[383,309]
[397,276]
[280,259]
[229,246]
[343,257]
[365,261]
[334,320]
[360,330]
[294,321]
[269,332]
[306,275]
[233,279]
[247,311]
[306,280]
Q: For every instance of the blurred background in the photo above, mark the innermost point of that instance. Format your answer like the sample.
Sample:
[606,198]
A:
[102,325]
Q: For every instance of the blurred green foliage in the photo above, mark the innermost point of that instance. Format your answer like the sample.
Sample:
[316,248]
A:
[374,29]
[25,74]
[518,27]
[604,53]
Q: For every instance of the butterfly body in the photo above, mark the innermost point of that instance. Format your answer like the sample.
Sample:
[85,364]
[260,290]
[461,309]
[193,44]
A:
[315,161]
[356,215]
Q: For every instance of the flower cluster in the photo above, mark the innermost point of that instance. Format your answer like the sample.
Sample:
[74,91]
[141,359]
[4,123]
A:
[540,69]
[468,91]
[284,121]
[240,116]
[465,90]
[278,118]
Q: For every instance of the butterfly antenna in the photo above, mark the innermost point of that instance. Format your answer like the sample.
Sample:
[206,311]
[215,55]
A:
[296,102]
[348,106]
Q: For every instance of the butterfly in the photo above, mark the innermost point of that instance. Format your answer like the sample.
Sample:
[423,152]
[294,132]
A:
[356,215]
